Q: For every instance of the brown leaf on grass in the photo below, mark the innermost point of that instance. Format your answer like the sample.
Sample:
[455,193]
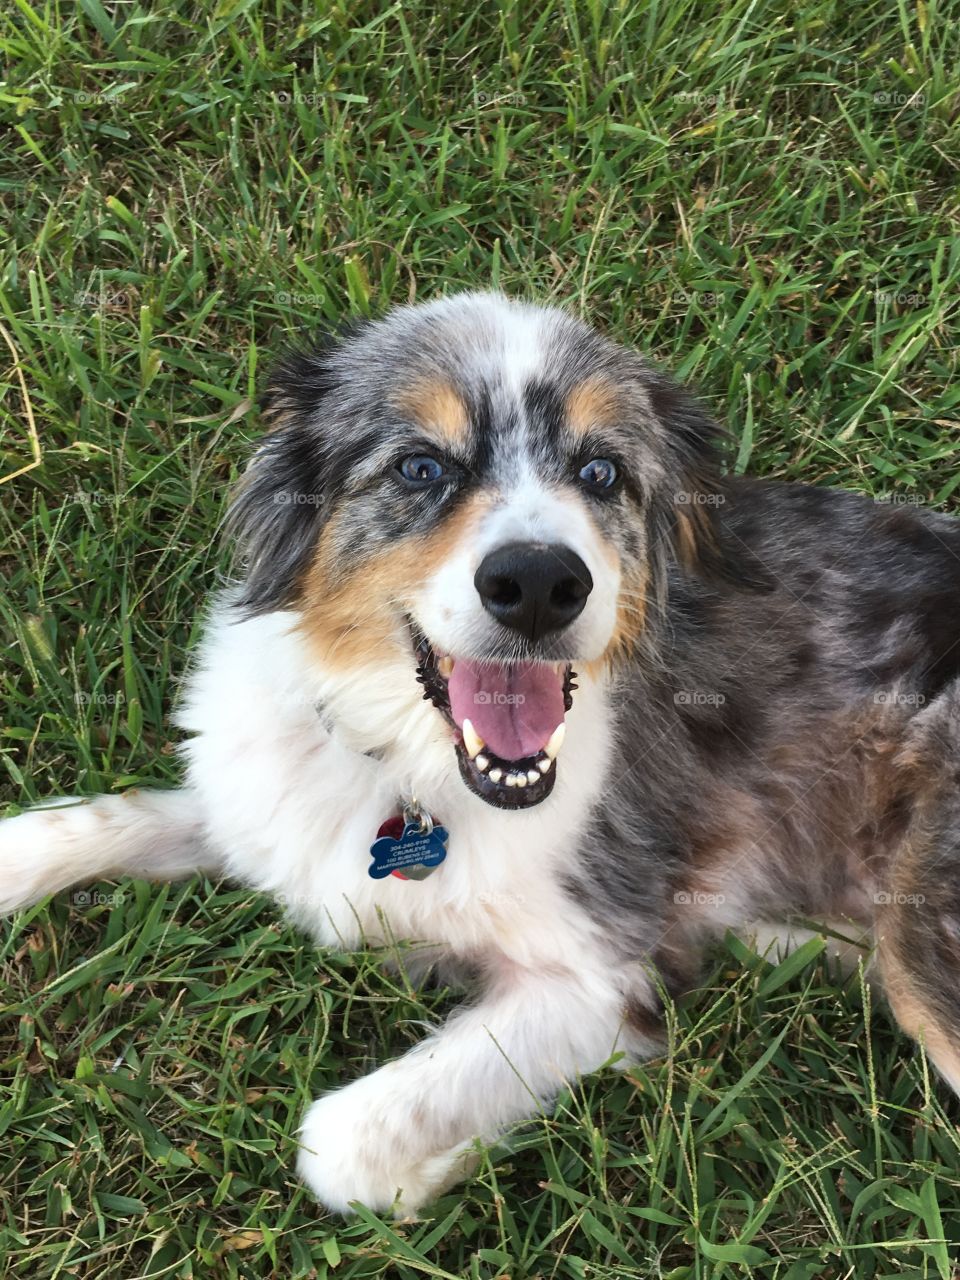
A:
[246,1239]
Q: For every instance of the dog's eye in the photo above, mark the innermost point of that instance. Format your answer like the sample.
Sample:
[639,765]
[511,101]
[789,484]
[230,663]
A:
[420,468]
[599,473]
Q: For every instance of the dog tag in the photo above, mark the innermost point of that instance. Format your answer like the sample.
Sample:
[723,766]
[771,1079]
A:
[408,847]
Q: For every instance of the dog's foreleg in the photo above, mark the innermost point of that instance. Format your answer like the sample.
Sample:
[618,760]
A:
[154,834]
[401,1135]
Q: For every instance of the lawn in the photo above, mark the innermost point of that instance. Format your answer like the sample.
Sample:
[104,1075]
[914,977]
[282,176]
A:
[764,198]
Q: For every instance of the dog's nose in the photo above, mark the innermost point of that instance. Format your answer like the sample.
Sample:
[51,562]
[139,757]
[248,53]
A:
[533,587]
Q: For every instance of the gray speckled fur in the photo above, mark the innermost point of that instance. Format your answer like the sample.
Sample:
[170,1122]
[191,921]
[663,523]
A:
[764,718]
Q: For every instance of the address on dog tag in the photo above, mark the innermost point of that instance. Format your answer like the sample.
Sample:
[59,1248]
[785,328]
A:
[407,847]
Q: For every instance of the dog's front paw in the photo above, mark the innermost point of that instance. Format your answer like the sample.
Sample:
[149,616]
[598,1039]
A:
[28,862]
[353,1149]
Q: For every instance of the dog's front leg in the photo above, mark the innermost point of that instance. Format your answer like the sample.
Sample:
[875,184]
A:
[401,1135]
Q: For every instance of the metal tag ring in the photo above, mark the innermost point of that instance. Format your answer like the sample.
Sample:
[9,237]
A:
[413,813]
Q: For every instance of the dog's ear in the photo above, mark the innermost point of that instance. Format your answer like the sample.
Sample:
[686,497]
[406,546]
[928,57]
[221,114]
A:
[692,506]
[282,502]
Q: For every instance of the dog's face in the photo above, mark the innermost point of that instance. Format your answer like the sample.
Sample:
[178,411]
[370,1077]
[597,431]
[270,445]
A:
[493,489]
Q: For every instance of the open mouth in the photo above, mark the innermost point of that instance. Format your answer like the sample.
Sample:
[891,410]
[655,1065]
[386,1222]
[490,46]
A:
[508,721]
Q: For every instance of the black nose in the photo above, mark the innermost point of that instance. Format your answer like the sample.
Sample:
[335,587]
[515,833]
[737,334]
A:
[533,587]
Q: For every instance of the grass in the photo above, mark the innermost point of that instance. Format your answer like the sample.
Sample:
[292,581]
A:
[764,198]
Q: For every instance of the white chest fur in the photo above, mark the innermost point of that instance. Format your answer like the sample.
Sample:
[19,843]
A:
[293,803]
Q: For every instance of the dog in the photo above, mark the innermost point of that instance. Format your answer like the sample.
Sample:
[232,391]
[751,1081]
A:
[514,669]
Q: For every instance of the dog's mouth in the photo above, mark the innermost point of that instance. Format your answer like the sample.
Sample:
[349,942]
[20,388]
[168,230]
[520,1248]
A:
[508,721]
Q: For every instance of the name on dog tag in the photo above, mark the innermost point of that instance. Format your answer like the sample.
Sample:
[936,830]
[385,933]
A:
[409,850]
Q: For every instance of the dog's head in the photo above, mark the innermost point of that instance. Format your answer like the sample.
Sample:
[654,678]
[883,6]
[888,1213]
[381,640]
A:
[490,488]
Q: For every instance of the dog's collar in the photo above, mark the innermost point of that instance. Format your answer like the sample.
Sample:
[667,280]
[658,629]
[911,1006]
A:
[329,726]
[410,844]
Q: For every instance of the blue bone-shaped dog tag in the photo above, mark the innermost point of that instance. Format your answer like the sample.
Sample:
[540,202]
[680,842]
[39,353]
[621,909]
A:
[411,855]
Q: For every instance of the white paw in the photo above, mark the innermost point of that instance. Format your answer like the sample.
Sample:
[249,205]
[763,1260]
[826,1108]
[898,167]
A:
[28,869]
[353,1149]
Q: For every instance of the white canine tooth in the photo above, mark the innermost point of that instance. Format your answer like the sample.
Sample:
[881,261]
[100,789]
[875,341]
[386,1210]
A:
[511,779]
[556,740]
[495,775]
[481,762]
[471,739]
[545,765]
[532,775]
[445,667]
[521,779]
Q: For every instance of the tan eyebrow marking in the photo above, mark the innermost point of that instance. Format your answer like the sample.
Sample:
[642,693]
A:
[591,404]
[436,406]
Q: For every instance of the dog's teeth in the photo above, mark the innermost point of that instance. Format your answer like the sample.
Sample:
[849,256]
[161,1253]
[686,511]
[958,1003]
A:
[471,739]
[495,775]
[511,779]
[556,740]
[521,779]
[482,762]
[445,667]
[545,765]
[532,775]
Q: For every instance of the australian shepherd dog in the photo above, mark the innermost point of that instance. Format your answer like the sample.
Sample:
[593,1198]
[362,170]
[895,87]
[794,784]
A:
[513,669]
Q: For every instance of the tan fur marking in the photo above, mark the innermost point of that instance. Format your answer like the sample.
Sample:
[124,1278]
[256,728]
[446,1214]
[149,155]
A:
[590,404]
[631,614]
[436,407]
[631,619]
[352,620]
[694,534]
[917,1020]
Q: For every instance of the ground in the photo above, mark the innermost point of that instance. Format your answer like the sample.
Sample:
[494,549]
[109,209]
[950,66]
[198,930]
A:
[765,199]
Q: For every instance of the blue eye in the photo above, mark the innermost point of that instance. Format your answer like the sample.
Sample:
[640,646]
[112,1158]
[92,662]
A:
[420,468]
[599,473]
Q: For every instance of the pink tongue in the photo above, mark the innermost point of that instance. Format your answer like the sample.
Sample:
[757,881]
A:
[513,709]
